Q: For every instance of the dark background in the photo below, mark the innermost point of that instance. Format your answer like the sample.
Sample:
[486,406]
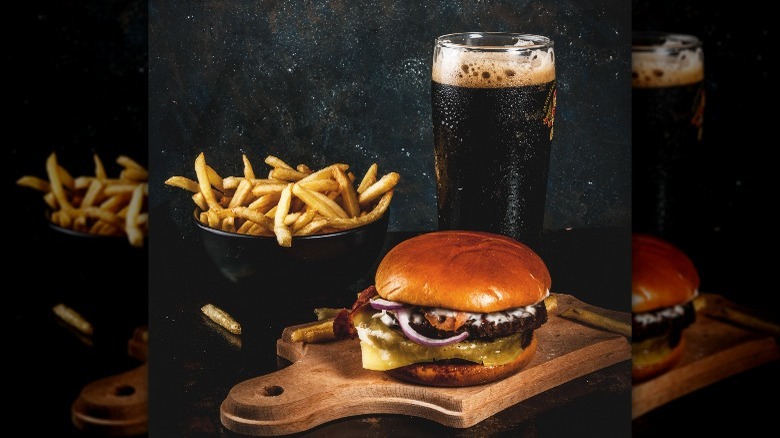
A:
[735,194]
[320,82]
[76,84]
[338,81]
[735,186]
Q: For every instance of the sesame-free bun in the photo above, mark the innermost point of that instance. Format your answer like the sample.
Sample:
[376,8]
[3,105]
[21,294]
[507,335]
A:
[662,275]
[468,271]
[446,373]
[662,364]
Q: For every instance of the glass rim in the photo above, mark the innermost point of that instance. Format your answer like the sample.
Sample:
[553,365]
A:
[537,41]
[683,41]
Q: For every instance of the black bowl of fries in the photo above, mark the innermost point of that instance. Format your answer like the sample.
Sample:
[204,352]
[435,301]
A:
[298,227]
[329,259]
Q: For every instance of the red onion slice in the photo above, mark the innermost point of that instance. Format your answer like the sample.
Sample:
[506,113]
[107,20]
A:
[383,304]
[403,316]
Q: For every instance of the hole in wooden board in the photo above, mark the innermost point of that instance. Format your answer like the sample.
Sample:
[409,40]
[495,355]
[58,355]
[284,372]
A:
[272,391]
[124,391]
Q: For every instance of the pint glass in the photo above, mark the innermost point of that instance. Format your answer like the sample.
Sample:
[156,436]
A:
[493,105]
[667,125]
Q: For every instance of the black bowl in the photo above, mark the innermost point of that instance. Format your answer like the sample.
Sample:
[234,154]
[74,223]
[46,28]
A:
[322,260]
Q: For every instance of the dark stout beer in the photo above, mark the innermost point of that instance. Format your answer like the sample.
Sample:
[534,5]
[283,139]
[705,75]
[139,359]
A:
[493,116]
[667,113]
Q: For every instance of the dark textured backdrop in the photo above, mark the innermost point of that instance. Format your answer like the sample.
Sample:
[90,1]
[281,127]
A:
[320,82]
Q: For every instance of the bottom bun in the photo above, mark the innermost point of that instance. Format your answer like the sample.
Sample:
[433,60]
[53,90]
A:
[462,374]
[646,372]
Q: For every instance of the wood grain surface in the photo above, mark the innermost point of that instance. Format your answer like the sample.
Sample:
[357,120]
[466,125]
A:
[326,381]
[714,350]
[117,405]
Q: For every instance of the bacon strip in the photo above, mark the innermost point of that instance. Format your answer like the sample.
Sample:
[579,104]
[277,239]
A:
[343,326]
[449,324]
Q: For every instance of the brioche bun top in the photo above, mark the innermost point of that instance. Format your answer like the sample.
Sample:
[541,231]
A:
[468,271]
[662,275]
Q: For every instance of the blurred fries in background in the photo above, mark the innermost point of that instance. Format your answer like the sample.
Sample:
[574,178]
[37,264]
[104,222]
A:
[96,204]
[290,201]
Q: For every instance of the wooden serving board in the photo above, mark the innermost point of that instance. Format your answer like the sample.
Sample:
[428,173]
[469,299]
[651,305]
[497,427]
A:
[326,381]
[714,350]
[117,405]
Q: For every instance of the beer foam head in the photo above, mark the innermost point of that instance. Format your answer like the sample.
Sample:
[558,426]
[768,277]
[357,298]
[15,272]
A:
[526,62]
[673,60]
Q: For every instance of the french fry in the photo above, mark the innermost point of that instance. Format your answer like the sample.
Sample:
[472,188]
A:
[316,200]
[100,169]
[374,191]
[263,203]
[183,183]
[275,162]
[287,174]
[320,185]
[222,318]
[348,193]
[93,191]
[324,173]
[239,197]
[52,169]
[249,172]
[129,163]
[134,233]
[376,213]
[73,318]
[303,220]
[597,320]
[319,331]
[724,311]
[204,183]
[282,231]
[312,227]
[134,174]
[265,189]
[254,216]
[35,183]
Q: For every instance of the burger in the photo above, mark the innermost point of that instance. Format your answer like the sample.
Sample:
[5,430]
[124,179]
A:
[664,282]
[453,308]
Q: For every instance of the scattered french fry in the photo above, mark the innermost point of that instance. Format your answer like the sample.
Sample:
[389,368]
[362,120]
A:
[73,318]
[731,313]
[222,318]
[319,331]
[290,202]
[597,320]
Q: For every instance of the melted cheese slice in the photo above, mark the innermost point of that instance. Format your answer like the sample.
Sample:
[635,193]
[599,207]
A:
[384,349]
[650,351]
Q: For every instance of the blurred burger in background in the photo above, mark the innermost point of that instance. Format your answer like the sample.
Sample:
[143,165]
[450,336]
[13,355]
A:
[664,282]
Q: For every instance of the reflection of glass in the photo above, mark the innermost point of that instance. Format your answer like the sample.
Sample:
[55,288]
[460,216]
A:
[667,115]
[493,102]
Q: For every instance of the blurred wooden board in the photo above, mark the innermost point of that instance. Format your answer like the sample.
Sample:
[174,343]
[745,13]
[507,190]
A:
[715,350]
[117,405]
[326,382]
